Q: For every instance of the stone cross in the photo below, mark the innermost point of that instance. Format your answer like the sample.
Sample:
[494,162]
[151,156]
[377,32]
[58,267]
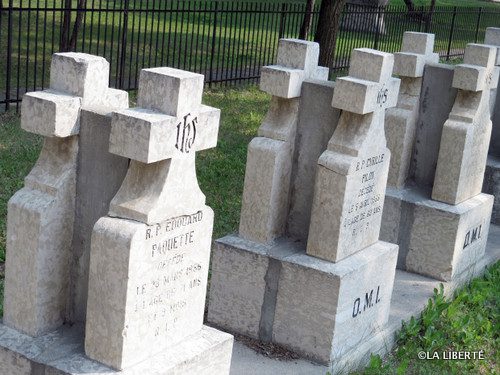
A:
[400,123]
[466,134]
[492,38]
[40,215]
[352,173]
[270,155]
[150,256]
[162,137]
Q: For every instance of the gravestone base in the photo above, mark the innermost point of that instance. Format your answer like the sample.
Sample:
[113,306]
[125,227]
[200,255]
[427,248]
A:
[436,239]
[61,353]
[491,185]
[319,309]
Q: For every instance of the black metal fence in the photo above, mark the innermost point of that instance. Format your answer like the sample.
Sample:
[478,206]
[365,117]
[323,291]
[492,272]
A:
[227,41]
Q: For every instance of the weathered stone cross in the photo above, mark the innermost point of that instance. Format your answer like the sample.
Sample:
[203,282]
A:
[492,38]
[352,172]
[297,61]
[270,155]
[161,137]
[466,133]
[400,123]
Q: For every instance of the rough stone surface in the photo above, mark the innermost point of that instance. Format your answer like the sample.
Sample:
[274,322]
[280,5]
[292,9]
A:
[99,177]
[50,113]
[39,231]
[466,134]
[401,121]
[270,158]
[150,256]
[352,173]
[361,288]
[459,232]
[281,284]
[436,102]
[207,352]
[147,286]
[491,185]
[316,125]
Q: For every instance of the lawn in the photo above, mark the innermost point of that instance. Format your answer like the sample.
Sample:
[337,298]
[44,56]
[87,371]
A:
[233,40]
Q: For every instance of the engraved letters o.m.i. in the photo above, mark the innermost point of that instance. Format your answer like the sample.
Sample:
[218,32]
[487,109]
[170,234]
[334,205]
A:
[186,134]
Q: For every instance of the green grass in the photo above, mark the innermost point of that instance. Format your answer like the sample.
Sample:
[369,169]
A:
[460,3]
[468,322]
[18,153]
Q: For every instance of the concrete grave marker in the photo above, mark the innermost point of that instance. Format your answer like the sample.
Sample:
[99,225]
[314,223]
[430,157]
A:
[40,216]
[269,160]
[352,173]
[258,289]
[466,133]
[401,121]
[150,255]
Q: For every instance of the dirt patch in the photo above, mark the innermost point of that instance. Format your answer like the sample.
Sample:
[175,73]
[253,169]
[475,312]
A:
[267,349]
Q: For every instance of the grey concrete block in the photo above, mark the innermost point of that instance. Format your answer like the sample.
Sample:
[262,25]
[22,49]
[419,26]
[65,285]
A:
[100,174]
[436,101]
[61,353]
[491,185]
[316,125]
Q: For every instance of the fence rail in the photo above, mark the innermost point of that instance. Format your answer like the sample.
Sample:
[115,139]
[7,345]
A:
[226,41]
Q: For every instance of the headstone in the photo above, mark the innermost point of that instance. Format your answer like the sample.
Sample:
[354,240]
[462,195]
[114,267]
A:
[491,183]
[352,173]
[270,155]
[71,188]
[150,255]
[438,239]
[466,133]
[401,121]
[257,289]
[40,216]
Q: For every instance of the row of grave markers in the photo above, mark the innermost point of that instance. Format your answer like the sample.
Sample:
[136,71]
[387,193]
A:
[111,232]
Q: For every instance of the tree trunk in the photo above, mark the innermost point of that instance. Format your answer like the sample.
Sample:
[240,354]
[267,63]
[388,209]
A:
[306,22]
[78,22]
[428,18]
[64,41]
[327,30]
[409,5]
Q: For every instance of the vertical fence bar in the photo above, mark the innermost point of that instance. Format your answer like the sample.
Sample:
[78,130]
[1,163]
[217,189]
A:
[377,28]
[479,14]
[9,56]
[451,33]
[214,36]
[123,51]
[284,9]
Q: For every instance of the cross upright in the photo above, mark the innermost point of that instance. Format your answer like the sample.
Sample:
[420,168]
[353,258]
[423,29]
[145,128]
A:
[297,61]
[478,72]
[416,51]
[76,80]
[161,136]
[466,134]
[352,172]
[492,38]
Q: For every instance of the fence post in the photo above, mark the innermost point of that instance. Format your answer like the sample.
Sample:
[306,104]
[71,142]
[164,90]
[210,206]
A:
[478,23]
[377,29]
[451,32]
[214,35]
[9,57]
[123,50]
[284,9]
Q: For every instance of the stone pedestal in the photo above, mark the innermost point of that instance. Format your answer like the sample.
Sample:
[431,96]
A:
[436,239]
[259,290]
[61,352]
